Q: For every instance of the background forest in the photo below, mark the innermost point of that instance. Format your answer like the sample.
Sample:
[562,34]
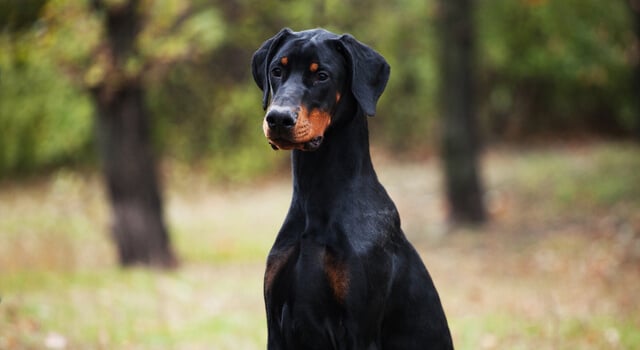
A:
[544,69]
[556,265]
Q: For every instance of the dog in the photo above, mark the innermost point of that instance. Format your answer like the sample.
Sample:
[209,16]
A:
[341,273]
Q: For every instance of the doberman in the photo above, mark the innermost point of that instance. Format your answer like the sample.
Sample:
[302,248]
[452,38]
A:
[341,273]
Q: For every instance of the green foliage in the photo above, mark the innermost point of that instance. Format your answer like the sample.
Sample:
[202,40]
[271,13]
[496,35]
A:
[198,122]
[166,36]
[553,65]
[44,120]
[16,15]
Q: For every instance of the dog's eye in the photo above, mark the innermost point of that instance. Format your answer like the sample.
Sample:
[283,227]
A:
[276,72]
[323,76]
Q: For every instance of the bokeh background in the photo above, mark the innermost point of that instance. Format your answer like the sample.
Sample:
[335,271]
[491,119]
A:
[556,264]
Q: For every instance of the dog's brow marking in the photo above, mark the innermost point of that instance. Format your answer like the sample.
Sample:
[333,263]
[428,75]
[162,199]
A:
[284,60]
[313,67]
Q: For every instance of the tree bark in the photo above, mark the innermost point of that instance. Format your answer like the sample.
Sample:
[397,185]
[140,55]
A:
[459,143]
[138,228]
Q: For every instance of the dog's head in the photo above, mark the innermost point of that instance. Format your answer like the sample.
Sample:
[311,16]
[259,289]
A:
[304,76]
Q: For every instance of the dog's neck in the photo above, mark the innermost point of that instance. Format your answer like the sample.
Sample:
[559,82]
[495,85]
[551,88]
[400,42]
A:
[341,161]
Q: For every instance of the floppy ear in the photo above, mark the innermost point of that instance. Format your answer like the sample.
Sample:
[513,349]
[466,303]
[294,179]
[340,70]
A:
[260,63]
[369,72]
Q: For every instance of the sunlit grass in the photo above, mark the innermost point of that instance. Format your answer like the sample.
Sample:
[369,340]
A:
[556,269]
[591,177]
[59,280]
[138,308]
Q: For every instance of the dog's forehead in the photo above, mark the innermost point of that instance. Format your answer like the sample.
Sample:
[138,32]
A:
[309,46]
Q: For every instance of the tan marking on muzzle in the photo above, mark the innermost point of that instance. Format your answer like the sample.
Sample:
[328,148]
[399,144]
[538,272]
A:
[309,125]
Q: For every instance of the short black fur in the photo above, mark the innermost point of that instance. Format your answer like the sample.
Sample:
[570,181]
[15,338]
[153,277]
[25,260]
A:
[341,274]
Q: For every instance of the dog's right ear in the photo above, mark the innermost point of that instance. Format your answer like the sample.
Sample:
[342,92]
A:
[260,63]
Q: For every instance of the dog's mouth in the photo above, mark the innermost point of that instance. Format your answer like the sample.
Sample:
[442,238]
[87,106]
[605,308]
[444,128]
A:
[284,144]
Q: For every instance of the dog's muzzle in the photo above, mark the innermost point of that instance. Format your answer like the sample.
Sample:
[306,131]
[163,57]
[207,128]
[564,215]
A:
[295,127]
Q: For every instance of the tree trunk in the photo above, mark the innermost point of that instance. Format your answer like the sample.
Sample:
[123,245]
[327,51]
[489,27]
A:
[459,144]
[138,227]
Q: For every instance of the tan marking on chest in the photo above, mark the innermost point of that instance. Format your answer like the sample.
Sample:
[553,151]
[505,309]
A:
[338,277]
[275,263]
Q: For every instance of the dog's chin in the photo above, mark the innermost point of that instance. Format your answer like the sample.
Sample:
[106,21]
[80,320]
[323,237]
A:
[283,144]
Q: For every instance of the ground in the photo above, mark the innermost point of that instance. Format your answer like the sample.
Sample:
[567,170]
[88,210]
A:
[558,266]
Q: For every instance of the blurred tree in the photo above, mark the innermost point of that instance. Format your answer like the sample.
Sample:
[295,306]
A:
[138,228]
[130,55]
[114,49]
[459,145]
[35,104]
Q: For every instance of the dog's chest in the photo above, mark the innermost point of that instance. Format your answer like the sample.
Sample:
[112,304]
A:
[306,287]
[307,269]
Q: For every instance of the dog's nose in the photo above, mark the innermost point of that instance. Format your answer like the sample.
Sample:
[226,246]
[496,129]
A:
[279,118]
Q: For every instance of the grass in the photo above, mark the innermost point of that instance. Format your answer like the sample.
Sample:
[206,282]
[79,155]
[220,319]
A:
[558,267]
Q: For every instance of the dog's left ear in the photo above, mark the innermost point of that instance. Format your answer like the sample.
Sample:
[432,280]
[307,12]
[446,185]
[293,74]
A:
[260,63]
[369,72]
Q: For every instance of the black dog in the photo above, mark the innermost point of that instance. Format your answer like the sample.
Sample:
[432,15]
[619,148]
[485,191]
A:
[341,274]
